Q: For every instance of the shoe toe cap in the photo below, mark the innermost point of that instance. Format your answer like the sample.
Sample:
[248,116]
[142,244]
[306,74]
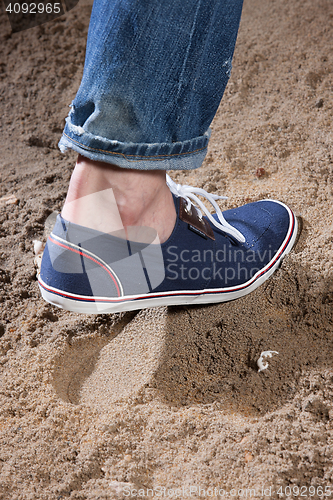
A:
[265,222]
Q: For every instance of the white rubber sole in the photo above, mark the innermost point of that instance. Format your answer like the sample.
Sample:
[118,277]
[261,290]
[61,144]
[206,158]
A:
[104,305]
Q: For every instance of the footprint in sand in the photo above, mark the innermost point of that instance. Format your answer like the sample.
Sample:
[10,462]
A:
[98,372]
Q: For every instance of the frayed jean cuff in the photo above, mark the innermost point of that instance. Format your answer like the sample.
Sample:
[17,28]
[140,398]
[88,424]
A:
[186,155]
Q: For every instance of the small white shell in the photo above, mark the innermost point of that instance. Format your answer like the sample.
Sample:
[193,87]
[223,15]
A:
[38,247]
[265,354]
[38,251]
[38,262]
[9,199]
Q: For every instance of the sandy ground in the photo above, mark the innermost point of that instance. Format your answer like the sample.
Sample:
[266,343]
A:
[94,407]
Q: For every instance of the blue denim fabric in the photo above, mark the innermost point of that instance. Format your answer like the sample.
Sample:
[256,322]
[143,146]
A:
[154,75]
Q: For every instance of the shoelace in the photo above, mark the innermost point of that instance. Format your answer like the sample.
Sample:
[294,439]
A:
[189,194]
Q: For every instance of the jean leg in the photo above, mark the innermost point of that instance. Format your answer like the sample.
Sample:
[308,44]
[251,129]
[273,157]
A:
[154,75]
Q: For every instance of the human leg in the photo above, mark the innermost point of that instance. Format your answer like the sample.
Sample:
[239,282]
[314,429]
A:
[179,54]
[107,198]
[154,75]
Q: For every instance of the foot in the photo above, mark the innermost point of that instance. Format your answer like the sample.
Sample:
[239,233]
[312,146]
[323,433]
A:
[107,198]
[207,258]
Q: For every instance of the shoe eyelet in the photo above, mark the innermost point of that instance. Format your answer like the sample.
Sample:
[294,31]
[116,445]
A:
[188,210]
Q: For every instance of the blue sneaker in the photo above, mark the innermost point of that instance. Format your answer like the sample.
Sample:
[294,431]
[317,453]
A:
[207,259]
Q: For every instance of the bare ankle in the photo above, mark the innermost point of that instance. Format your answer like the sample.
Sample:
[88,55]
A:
[106,197]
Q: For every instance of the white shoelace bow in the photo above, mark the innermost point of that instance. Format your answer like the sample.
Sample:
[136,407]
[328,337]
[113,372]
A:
[189,194]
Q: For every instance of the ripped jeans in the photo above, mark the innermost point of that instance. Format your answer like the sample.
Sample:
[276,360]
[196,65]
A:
[154,75]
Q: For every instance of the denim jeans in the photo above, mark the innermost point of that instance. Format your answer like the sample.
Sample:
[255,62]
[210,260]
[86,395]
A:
[154,75]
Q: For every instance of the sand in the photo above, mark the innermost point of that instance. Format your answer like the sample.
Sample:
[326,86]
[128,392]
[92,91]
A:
[124,405]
